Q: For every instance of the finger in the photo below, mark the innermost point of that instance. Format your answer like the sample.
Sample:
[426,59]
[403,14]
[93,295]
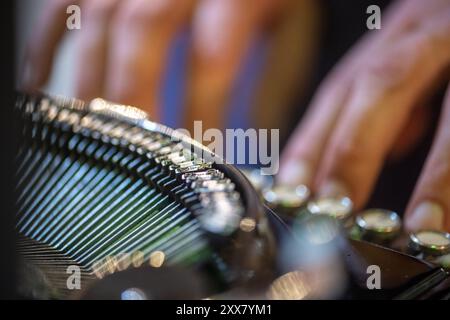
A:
[429,207]
[381,101]
[416,128]
[43,43]
[140,38]
[302,154]
[305,148]
[222,33]
[91,46]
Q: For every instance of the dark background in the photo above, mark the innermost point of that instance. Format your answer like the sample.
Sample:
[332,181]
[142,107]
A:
[7,150]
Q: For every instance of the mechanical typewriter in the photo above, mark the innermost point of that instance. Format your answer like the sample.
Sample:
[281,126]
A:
[114,206]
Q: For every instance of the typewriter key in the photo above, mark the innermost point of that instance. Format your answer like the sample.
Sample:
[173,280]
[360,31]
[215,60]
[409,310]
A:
[210,174]
[286,198]
[208,199]
[428,242]
[192,167]
[213,185]
[339,208]
[378,225]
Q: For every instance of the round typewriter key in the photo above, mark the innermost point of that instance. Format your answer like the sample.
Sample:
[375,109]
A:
[430,242]
[208,199]
[286,198]
[339,208]
[378,225]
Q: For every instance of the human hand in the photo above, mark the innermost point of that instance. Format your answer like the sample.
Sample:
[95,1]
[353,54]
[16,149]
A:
[362,111]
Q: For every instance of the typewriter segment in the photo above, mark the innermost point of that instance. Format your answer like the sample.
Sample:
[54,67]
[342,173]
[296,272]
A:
[141,211]
[105,190]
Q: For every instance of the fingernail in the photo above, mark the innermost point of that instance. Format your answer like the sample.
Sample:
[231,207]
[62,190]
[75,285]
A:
[294,173]
[333,189]
[427,215]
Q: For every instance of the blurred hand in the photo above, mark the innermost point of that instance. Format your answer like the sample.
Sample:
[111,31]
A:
[371,105]
[123,46]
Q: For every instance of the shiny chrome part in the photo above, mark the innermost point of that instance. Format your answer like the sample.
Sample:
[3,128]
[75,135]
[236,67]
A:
[430,242]
[212,185]
[173,158]
[211,174]
[152,146]
[208,198]
[339,208]
[118,111]
[221,206]
[378,224]
[295,285]
[221,217]
[286,197]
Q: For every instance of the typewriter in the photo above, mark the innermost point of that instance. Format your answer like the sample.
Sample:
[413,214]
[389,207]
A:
[111,205]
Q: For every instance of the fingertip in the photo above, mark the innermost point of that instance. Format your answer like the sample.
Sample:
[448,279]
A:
[333,189]
[295,172]
[427,215]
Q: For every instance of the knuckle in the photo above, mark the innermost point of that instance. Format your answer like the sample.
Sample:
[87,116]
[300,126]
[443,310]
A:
[387,71]
[351,152]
